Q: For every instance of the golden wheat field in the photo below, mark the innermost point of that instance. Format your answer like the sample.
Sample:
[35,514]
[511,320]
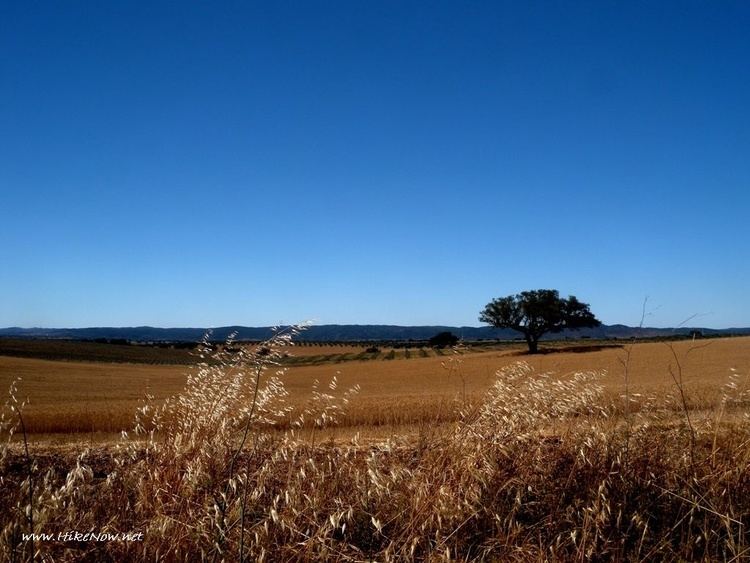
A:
[66,399]
[606,452]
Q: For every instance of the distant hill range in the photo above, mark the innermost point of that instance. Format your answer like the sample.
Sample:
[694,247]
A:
[351,333]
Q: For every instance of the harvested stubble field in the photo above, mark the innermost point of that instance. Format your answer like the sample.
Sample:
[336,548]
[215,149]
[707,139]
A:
[73,397]
[534,467]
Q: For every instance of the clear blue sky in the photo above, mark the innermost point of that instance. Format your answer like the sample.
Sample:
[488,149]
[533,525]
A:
[203,164]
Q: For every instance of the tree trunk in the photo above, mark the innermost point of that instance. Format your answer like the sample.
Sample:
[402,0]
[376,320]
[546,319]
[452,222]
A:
[533,343]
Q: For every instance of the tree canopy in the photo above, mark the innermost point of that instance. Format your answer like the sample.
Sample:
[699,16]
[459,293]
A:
[537,312]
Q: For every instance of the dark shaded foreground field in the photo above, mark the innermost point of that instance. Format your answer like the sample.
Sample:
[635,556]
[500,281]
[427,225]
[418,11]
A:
[538,468]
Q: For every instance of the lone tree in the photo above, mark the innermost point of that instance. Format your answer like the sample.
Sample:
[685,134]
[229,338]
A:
[538,312]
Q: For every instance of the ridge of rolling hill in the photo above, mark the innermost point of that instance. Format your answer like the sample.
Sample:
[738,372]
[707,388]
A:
[344,333]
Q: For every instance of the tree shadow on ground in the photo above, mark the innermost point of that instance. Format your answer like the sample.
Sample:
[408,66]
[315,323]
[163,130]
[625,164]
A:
[581,349]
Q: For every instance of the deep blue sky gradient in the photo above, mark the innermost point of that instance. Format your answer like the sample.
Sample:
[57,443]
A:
[203,164]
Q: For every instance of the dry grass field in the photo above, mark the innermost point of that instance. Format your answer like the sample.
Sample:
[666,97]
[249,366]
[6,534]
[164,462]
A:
[477,455]
[96,397]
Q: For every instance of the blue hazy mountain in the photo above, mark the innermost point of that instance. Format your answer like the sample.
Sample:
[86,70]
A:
[339,333]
